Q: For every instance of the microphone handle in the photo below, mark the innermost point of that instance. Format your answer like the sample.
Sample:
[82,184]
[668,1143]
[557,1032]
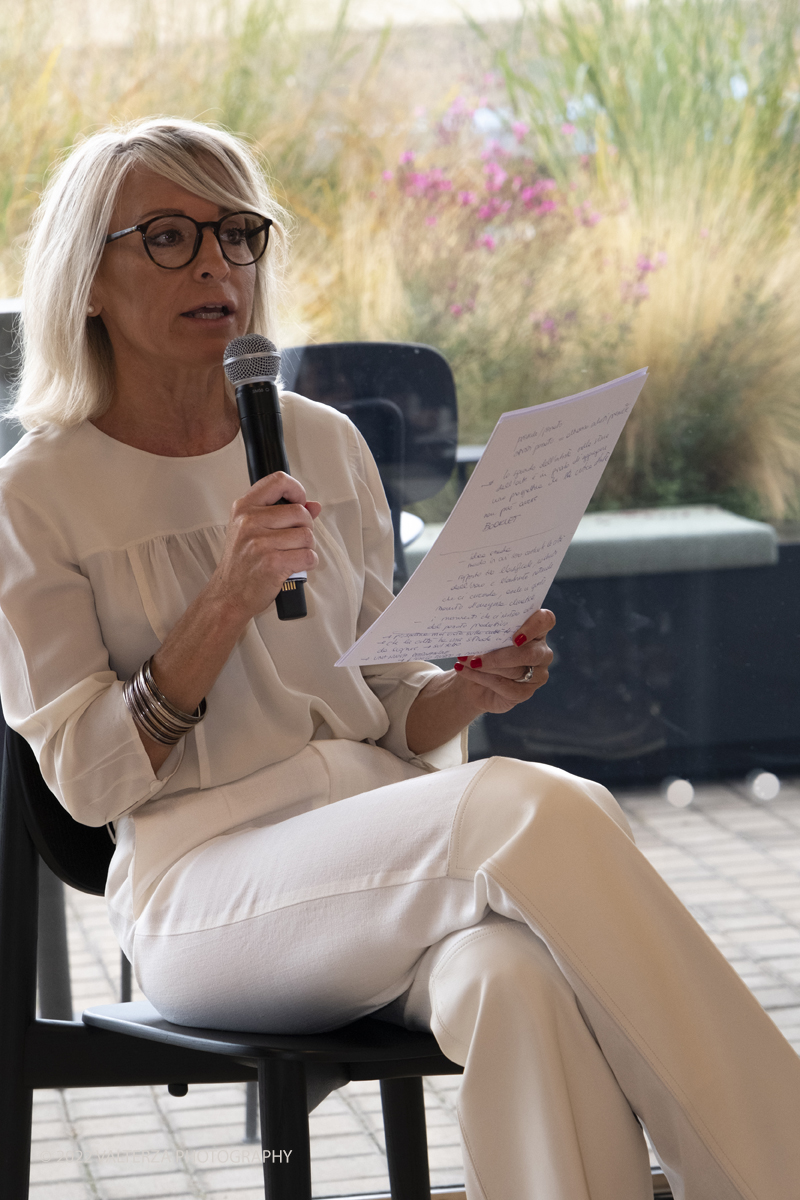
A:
[262,431]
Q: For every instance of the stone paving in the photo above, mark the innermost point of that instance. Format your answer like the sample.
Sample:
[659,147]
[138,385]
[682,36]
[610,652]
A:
[735,861]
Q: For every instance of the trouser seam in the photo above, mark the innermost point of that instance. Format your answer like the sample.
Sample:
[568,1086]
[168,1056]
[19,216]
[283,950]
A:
[474,937]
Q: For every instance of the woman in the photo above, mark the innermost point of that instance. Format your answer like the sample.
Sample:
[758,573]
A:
[298,845]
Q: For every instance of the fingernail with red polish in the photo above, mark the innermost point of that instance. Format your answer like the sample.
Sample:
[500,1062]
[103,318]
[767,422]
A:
[458,666]
[520,639]
[476,663]
[462,658]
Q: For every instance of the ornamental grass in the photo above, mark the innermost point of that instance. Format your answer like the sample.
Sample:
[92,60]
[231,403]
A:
[551,202]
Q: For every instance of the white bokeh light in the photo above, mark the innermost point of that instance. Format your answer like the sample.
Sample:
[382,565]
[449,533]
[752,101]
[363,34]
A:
[764,785]
[679,792]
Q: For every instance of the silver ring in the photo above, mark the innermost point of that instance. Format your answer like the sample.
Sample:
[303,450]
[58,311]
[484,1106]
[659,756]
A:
[527,677]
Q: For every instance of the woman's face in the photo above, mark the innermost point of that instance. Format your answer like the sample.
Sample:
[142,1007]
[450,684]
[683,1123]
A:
[166,320]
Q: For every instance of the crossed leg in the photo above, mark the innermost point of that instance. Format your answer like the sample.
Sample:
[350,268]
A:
[607,1000]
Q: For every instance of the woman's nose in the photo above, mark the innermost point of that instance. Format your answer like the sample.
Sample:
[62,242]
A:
[210,259]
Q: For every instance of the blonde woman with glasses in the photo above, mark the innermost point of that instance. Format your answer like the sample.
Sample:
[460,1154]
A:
[296,845]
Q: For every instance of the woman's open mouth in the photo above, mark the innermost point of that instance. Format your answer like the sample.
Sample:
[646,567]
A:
[209,312]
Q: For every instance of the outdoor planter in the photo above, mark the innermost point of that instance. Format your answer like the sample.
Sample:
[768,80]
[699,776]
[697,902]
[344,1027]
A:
[677,652]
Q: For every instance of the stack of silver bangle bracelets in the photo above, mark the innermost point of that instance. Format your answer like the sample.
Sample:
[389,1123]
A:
[152,711]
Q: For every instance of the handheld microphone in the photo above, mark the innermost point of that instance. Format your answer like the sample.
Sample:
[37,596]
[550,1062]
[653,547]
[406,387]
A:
[252,364]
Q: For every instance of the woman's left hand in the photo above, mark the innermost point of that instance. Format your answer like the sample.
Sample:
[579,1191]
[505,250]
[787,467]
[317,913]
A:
[498,678]
[493,682]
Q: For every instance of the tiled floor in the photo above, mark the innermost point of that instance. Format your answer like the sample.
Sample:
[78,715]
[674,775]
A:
[733,860]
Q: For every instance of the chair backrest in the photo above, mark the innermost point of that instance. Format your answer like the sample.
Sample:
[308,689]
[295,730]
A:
[415,380]
[78,854]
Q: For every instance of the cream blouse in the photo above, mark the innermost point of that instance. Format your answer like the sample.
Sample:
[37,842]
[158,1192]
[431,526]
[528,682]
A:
[103,548]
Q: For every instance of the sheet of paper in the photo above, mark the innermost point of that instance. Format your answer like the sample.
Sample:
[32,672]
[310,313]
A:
[494,561]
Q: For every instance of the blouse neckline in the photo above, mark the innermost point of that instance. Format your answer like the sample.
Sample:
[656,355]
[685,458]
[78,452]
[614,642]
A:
[125,447]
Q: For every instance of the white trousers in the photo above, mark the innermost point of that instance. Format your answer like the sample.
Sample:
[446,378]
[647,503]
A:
[505,906]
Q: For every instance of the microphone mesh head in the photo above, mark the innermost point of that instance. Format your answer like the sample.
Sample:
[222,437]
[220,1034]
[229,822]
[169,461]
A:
[251,357]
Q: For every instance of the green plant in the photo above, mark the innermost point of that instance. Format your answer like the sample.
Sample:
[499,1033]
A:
[620,191]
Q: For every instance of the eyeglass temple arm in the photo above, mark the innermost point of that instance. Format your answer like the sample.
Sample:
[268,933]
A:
[112,237]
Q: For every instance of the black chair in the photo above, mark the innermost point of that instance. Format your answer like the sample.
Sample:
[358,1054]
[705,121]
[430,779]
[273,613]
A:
[126,1044]
[402,398]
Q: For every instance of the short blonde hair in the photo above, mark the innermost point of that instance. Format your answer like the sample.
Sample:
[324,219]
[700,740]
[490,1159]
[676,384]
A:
[67,371]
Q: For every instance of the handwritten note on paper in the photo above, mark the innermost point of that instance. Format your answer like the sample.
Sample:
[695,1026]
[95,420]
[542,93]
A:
[494,561]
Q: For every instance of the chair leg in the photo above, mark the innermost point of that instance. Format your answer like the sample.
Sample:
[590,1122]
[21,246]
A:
[284,1129]
[55,992]
[251,1111]
[124,978]
[406,1138]
[18,921]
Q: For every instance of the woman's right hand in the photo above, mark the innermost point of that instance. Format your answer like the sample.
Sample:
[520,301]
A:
[266,542]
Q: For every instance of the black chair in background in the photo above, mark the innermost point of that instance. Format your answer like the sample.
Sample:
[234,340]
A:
[402,398]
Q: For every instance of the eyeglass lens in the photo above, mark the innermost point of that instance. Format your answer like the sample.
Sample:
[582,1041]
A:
[171,240]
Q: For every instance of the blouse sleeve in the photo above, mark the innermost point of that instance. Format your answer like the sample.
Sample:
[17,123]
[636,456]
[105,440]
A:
[57,687]
[396,685]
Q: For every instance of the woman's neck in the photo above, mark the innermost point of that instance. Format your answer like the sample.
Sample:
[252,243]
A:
[177,422]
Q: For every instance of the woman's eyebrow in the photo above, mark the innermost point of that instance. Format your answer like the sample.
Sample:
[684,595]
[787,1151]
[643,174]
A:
[170,212]
[159,212]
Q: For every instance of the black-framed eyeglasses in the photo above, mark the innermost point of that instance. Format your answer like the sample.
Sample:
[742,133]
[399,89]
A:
[173,241]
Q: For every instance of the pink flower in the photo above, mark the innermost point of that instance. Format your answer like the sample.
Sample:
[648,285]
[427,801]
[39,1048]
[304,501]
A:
[407,156]
[661,259]
[641,291]
[496,176]
[584,214]
[488,241]
[431,220]
[519,129]
[644,264]
[493,207]
[546,206]
[568,128]
[494,149]
[456,310]
[467,198]
[548,325]
[529,193]
[387,176]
